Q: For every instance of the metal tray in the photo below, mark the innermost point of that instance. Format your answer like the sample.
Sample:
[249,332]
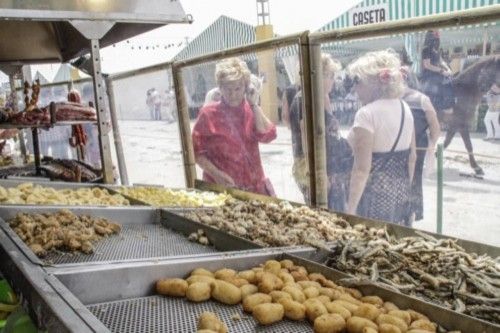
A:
[125,300]
[147,234]
[48,310]
[63,185]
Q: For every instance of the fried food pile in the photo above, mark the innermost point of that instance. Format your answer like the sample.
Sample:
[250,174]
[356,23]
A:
[280,289]
[61,231]
[164,197]
[271,224]
[28,193]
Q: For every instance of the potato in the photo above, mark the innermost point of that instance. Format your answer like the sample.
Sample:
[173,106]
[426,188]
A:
[278,294]
[396,321]
[286,277]
[423,324]
[248,275]
[357,324]
[172,287]
[307,284]
[299,276]
[293,310]
[354,293]
[369,330]
[199,278]
[375,300]
[390,306]
[300,269]
[329,323]
[210,321]
[268,313]
[388,328]
[270,282]
[272,266]
[238,282]
[348,305]
[202,271]
[225,292]
[314,309]
[330,292]
[368,311]
[286,263]
[417,315]
[401,314]
[312,292]
[323,299]
[338,309]
[224,273]
[317,277]
[329,284]
[350,299]
[247,290]
[198,292]
[296,294]
[250,302]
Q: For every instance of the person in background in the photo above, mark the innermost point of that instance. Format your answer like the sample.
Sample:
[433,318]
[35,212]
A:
[382,139]
[287,100]
[300,168]
[492,117]
[436,75]
[227,133]
[424,120]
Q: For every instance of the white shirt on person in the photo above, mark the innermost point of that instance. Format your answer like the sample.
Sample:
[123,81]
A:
[382,118]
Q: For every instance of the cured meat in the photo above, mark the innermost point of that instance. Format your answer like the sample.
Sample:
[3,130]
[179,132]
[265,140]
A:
[31,118]
[69,111]
[71,170]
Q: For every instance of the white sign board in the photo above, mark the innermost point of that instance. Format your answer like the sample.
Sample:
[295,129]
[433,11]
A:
[369,14]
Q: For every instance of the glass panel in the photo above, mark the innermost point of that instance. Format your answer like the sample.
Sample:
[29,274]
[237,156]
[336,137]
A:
[147,114]
[447,79]
[241,133]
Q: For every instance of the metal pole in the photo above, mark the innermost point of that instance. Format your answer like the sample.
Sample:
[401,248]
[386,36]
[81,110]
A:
[102,124]
[439,212]
[184,128]
[36,150]
[120,156]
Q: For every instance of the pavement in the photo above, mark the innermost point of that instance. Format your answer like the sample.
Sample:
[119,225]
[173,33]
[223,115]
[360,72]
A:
[471,207]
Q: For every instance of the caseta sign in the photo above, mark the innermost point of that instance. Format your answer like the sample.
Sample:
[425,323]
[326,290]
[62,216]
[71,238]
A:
[369,14]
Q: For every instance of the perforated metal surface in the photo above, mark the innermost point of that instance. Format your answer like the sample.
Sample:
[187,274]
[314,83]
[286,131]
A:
[166,314]
[135,241]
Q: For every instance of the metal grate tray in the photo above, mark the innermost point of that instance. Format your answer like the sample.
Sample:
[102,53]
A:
[167,314]
[140,241]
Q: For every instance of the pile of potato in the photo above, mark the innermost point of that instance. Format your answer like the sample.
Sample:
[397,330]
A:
[281,289]
[28,193]
[164,197]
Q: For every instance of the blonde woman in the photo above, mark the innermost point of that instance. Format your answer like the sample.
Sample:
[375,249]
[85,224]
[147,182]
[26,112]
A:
[382,139]
[330,68]
[227,133]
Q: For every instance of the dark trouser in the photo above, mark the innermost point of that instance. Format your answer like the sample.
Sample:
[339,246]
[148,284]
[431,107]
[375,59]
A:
[417,198]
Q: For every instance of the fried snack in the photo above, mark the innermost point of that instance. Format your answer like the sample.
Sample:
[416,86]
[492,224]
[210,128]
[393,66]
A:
[311,292]
[329,323]
[158,196]
[210,321]
[375,300]
[61,231]
[333,294]
[248,275]
[247,290]
[225,292]
[293,310]
[172,287]
[272,266]
[268,313]
[205,331]
[314,309]
[417,315]
[286,263]
[357,324]
[401,314]
[198,292]
[224,273]
[296,293]
[250,302]
[389,306]
[278,294]
[368,311]
[348,305]
[338,309]
[286,277]
[322,298]
[388,328]
[369,330]
[307,284]
[396,321]
[269,282]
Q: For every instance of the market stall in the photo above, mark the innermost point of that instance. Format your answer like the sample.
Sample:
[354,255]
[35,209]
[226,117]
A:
[88,257]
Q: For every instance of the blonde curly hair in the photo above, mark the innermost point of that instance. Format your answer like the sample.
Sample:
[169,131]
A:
[232,69]
[330,65]
[382,70]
